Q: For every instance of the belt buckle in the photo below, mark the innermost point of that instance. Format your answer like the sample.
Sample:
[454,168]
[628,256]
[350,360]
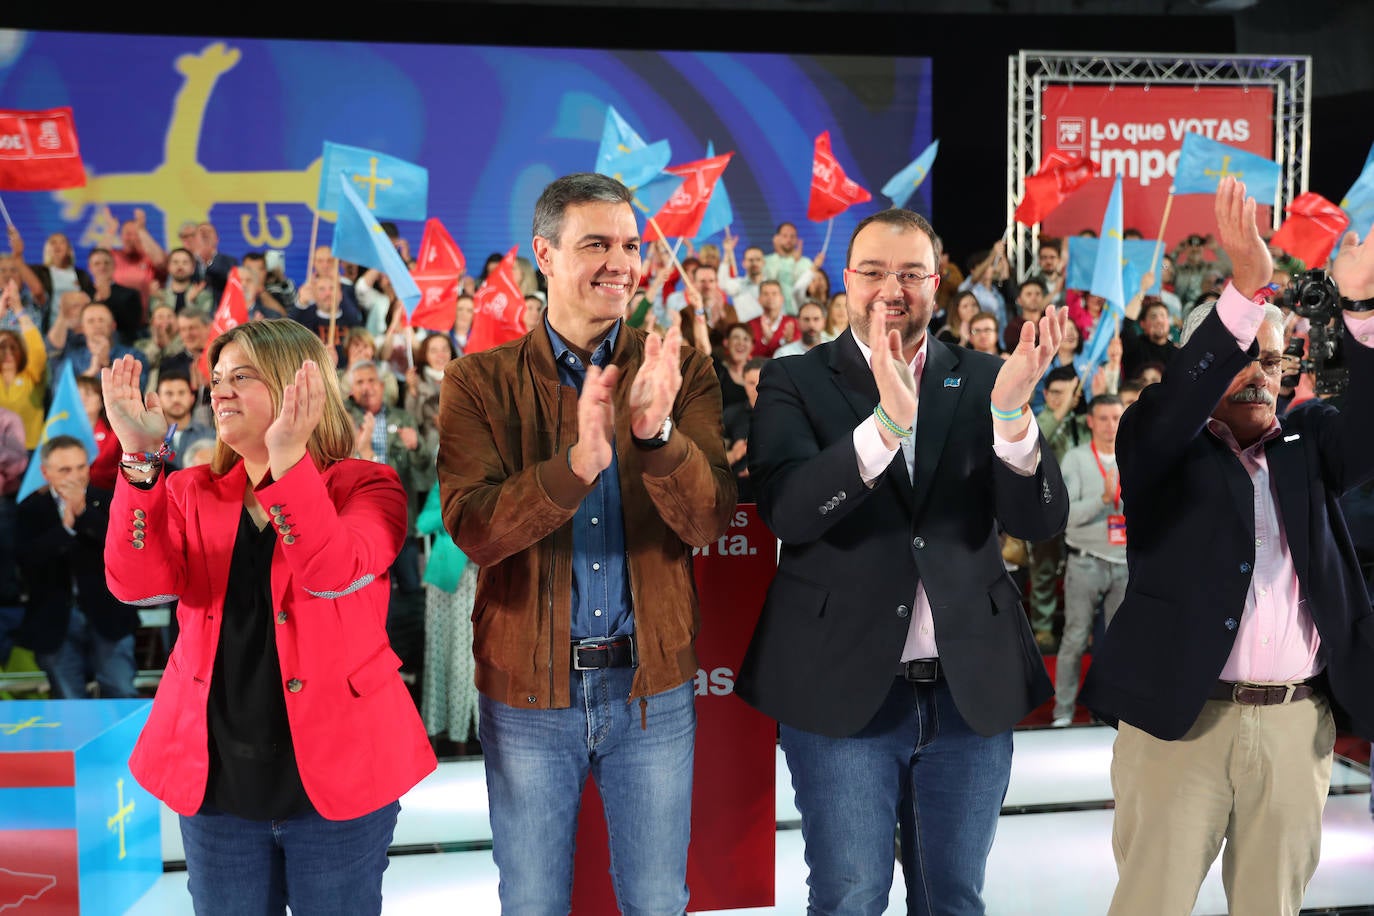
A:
[605,647]
[1235,693]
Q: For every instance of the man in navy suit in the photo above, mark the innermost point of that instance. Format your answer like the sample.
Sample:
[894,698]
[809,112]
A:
[1246,633]
[893,646]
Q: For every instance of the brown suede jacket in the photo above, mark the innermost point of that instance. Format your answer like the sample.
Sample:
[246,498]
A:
[506,424]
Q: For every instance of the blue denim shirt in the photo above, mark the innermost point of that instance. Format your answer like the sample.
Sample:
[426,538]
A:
[600,577]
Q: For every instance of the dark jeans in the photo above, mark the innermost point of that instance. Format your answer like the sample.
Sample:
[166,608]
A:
[405,617]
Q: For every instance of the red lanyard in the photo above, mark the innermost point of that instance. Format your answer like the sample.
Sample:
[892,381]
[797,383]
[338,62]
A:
[1103,471]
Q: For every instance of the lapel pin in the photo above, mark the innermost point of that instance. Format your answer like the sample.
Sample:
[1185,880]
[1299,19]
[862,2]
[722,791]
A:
[1293,437]
[953,382]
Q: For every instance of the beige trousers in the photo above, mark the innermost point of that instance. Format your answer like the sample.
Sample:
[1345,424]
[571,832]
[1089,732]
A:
[1254,776]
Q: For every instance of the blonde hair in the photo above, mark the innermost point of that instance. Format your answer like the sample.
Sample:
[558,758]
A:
[277,348]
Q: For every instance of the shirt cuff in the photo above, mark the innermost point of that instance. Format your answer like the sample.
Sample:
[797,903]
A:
[1361,330]
[1022,456]
[1241,316]
[874,456]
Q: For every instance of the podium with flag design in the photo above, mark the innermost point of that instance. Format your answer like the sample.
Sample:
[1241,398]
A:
[77,834]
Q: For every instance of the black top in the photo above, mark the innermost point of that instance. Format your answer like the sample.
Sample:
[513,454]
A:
[731,391]
[253,772]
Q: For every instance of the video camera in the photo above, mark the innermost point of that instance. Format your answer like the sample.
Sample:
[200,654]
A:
[1314,296]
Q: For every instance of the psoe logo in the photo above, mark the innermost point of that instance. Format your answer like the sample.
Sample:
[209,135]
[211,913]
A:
[12,142]
[48,136]
[1069,133]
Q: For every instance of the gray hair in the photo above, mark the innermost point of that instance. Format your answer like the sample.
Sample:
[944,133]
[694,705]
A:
[570,190]
[364,364]
[1272,314]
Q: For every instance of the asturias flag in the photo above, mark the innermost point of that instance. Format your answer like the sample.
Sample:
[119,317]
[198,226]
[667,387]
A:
[682,215]
[39,152]
[391,188]
[66,417]
[359,239]
[498,313]
[1137,253]
[625,156]
[1107,283]
[1203,162]
[437,272]
[900,187]
[832,192]
[1358,202]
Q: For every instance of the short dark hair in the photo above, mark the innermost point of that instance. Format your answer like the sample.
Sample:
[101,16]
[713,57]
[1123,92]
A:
[1151,306]
[739,326]
[1104,400]
[570,190]
[1152,364]
[814,304]
[1061,374]
[1131,384]
[763,283]
[175,375]
[256,256]
[57,442]
[785,223]
[904,220]
[1034,281]
[1052,244]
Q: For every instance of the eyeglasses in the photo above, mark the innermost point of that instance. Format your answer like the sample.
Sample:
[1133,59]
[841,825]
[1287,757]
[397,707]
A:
[1271,365]
[907,279]
[982,330]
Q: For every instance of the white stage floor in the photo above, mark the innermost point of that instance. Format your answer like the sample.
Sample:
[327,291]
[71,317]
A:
[1052,854]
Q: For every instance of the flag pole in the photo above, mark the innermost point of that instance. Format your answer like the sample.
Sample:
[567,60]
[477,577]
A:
[829,227]
[9,223]
[1159,239]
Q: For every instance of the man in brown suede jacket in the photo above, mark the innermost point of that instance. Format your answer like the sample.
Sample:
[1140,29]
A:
[579,465]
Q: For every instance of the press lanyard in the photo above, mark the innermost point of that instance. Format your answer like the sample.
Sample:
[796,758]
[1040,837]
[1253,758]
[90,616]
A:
[1116,500]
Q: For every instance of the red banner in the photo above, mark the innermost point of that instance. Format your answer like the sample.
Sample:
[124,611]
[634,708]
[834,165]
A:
[39,152]
[681,216]
[733,857]
[498,309]
[1136,132]
[437,271]
[232,312]
[832,191]
[1313,228]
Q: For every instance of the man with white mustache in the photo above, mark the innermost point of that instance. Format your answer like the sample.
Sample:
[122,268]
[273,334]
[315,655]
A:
[1246,633]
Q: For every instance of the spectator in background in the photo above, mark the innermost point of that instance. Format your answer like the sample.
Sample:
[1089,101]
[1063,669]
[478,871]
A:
[462,323]
[772,329]
[57,273]
[1148,341]
[1031,300]
[534,311]
[72,622]
[321,307]
[139,261]
[10,272]
[738,349]
[837,315]
[742,286]
[810,328]
[105,461]
[1050,270]
[214,266]
[423,379]
[193,329]
[14,461]
[736,419]
[1193,272]
[956,329]
[950,279]
[125,304]
[789,268]
[360,348]
[95,348]
[989,278]
[253,277]
[182,287]
[23,366]
[1129,390]
[983,335]
[177,398]
[162,340]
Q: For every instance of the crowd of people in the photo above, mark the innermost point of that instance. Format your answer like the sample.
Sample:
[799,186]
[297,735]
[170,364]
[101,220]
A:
[671,389]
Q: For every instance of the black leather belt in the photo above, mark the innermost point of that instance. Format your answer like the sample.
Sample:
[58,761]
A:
[1260,694]
[618,653]
[920,670]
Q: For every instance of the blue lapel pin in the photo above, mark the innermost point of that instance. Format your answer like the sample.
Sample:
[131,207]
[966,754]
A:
[953,382]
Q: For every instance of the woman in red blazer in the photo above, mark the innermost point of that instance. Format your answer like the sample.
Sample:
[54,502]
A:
[281,731]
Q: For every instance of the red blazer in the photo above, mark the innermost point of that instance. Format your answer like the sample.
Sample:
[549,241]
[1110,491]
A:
[358,739]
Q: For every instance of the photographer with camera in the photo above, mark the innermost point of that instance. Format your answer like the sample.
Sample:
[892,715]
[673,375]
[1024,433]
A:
[1239,563]
[1192,270]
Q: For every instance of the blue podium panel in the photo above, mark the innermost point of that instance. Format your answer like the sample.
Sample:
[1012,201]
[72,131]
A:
[77,834]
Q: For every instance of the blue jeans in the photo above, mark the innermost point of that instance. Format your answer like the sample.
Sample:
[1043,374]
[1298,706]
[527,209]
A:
[238,867]
[537,761]
[917,761]
[84,651]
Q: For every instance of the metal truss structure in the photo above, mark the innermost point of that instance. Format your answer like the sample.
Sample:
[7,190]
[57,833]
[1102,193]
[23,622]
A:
[1029,73]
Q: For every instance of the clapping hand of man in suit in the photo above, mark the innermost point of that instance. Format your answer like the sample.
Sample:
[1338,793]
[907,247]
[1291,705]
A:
[892,375]
[1024,369]
[1353,269]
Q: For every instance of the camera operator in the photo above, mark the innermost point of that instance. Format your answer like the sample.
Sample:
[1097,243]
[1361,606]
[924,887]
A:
[1239,559]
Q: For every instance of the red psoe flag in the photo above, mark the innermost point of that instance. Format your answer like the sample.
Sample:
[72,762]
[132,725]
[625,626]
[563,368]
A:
[231,312]
[437,271]
[498,313]
[1057,178]
[832,192]
[1313,228]
[681,216]
[39,152]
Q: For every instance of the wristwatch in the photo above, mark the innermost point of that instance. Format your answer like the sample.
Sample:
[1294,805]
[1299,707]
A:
[659,440]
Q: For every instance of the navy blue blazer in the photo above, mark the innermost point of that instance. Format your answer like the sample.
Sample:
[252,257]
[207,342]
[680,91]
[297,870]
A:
[1190,531]
[827,645]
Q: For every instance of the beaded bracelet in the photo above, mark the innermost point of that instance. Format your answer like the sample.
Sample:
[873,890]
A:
[891,425]
[163,451]
[1008,415]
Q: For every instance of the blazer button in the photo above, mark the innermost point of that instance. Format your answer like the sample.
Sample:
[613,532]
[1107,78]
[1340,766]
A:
[139,513]
[279,519]
[531,699]
[902,610]
[840,495]
[294,685]
[1231,623]
[281,616]
[138,545]
[275,510]
[918,543]
[1245,567]
[140,523]
[289,539]
[824,509]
